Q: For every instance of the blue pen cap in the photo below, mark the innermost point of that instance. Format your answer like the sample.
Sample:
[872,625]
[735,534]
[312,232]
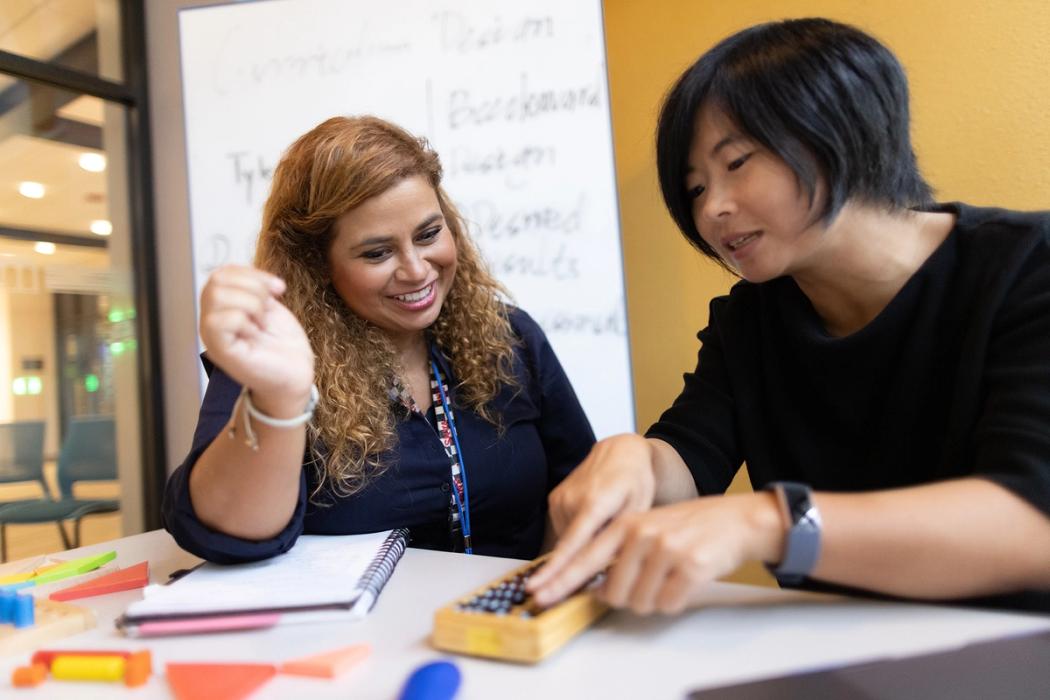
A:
[438,680]
[24,611]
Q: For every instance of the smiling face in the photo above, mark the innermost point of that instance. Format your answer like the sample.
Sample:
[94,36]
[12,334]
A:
[393,259]
[747,203]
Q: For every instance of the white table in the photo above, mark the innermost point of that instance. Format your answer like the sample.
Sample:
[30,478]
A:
[741,633]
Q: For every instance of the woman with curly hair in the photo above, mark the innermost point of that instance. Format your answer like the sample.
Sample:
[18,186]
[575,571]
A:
[365,374]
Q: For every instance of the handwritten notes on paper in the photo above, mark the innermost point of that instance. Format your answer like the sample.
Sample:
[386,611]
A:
[512,95]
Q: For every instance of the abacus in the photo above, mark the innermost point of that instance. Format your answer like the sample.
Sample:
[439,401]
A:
[500,621]
[51,620]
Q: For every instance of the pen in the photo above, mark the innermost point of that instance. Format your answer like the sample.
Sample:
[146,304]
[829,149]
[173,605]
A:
[179,573]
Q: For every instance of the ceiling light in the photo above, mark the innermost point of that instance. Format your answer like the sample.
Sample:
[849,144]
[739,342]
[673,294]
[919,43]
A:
[92,162]
[101,227]
[44,248]
[33,190]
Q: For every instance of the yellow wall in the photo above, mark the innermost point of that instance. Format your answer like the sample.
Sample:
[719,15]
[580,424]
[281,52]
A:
[980,79]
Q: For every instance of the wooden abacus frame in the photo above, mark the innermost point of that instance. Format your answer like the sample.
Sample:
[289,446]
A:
[511,637]
[53,620]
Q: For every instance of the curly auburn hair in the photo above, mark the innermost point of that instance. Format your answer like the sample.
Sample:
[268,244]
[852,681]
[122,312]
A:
[328,171]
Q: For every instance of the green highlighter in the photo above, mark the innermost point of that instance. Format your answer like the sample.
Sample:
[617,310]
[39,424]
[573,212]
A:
[74,568]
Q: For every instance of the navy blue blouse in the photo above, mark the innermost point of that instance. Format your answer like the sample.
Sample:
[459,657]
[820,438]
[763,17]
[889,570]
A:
[545,435]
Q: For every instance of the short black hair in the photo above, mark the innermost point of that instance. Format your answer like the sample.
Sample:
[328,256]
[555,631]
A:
[826,98]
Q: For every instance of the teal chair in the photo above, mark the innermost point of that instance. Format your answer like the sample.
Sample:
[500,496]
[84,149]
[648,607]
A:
[22,454]
[88,454]
[22,459]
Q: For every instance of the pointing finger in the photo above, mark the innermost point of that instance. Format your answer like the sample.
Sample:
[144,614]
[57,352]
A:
[591,560]
[581,530]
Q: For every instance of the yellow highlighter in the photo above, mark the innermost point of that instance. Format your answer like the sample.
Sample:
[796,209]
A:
[88,668]
[16,578]
[26,575]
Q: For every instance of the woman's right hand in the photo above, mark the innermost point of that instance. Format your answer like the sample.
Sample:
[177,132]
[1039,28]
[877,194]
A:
[615,479]
[255,339]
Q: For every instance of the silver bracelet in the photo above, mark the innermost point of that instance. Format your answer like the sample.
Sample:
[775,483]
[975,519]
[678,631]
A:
[250,412]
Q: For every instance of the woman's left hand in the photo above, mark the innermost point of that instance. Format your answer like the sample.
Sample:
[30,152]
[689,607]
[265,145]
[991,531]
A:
[665,556]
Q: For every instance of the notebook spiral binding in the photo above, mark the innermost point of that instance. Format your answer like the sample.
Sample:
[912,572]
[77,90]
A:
[382,566]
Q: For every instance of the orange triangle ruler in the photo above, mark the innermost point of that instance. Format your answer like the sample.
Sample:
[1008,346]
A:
[217,681]
[328,664]
[136,576]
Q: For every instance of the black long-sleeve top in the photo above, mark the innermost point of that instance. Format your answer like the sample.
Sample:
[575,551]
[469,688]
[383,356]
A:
[950,380]
[545,435]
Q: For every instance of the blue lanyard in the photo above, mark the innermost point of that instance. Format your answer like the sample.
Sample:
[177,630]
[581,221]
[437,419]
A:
[462,504]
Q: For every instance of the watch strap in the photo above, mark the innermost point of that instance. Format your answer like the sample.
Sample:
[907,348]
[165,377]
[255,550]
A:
[803,535]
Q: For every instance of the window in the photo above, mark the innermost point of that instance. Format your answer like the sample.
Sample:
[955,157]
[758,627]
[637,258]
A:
[77,320]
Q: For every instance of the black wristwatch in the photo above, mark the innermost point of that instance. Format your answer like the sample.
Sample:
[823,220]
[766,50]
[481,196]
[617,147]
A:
[802,524]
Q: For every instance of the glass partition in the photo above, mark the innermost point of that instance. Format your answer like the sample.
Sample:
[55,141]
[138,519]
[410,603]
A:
[68,344]
[76,34]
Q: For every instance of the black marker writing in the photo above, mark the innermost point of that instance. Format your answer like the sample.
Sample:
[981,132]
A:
[458,34]
[218,247]
[535,262]
[466,108]
[248,170]
[610,323]
[496,223]
[514,164]
[234,66]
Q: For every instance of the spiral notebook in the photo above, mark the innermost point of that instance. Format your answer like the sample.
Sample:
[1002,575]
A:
[321,578]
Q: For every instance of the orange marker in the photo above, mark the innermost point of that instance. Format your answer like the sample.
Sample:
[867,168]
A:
[138,668]
[88,668]
[28,676]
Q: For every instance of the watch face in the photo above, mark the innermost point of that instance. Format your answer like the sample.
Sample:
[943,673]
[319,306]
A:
[800,507]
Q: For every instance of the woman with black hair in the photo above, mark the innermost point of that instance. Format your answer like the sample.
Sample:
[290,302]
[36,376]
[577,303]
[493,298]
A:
[883,367]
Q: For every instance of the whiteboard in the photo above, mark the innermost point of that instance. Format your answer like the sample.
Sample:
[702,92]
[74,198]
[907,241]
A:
[514,98]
